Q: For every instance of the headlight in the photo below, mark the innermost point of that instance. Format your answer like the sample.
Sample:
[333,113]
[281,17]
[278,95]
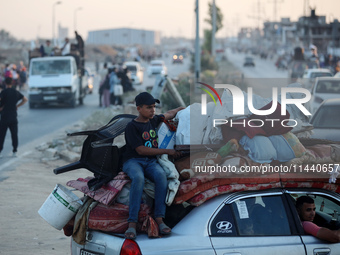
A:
[65,90]
[175,57]
[35,91]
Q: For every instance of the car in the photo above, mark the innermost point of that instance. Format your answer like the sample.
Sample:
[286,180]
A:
[157,67]
[337,75]
[324,88]
[249,61]
[177,58]
[326,120]
[243,222]
[136,72]
[310,75]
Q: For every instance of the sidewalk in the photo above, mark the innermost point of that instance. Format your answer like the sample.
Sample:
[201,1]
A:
[29,182]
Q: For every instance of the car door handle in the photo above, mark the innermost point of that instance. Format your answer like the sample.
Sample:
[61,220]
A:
[322,251]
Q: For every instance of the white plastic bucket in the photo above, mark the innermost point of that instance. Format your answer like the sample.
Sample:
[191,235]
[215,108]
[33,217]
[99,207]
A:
[59,208]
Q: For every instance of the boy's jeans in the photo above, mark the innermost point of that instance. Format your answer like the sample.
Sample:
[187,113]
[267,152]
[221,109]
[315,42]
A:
[137,169]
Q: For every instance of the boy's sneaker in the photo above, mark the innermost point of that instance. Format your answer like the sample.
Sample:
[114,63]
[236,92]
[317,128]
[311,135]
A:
[14,154]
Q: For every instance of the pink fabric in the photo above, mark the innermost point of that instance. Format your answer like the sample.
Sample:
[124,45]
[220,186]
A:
[310,228]
[107,193]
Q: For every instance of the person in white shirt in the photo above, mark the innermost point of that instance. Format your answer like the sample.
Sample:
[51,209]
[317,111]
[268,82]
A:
[66,49]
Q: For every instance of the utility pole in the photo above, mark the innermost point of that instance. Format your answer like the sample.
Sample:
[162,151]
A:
[275,9]
[213,38]
[197,47]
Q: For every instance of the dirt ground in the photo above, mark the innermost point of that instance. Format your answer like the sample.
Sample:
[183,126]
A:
[24,186]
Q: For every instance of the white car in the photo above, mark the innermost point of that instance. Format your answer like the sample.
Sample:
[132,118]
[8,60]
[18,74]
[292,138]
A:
[324,88]
[310,75]
[157,67]
[337,75]
[258,222]
[136,71]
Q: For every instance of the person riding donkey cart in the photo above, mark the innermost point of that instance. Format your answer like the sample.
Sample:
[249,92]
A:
[140,162]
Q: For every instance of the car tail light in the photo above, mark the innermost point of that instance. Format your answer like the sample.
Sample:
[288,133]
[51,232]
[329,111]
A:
[130,247]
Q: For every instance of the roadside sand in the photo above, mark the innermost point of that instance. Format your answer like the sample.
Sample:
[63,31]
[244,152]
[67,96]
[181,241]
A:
[29,183]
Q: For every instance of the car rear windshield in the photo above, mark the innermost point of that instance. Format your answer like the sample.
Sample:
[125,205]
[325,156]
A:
[328,87]
[314,75]
[324,118]
[51,67]
[132,68]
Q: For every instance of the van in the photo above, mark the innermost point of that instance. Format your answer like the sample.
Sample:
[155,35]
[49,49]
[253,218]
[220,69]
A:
[136,71]
[55,80]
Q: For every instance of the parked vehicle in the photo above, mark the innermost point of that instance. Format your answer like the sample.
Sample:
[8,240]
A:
[337,75]
[256,222]
[324,88]
[55,79]
[248,61]
[326,120]
[157,67]
[136,72]
[309,76]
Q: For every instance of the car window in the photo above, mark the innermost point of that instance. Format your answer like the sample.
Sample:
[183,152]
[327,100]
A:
[314,75]
[328,87]
[324,117]
[254,216]
[327,210]
[132,68]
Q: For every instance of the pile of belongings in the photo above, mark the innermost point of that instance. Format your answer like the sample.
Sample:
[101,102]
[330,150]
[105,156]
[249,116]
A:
[205,146]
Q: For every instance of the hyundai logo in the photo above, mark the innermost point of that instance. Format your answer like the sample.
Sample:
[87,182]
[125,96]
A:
[224,225]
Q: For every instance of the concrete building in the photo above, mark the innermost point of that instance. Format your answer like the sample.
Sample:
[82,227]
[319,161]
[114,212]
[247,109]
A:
[124,36]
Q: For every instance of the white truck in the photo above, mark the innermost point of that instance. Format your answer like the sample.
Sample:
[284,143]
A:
[56,80]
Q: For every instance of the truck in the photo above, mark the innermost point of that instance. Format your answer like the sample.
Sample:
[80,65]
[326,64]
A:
[56,79]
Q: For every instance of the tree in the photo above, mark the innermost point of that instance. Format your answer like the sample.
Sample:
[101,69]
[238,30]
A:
[209,20]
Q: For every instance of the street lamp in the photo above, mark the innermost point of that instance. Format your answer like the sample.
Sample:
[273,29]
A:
[75,17]
[53,19]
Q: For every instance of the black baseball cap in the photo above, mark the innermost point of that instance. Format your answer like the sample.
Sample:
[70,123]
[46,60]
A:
[145,98]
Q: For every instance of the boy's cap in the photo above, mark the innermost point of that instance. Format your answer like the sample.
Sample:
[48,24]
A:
[145,98]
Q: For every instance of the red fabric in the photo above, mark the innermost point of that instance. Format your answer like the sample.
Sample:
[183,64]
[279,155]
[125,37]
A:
[107,193]
[203,182]
[114,219]
[310,228]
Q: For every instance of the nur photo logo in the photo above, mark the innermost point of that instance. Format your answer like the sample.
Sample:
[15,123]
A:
[204,97]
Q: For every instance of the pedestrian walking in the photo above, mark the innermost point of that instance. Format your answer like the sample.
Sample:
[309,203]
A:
[9,105]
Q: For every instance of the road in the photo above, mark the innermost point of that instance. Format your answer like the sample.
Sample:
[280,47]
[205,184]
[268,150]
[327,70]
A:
[263,76]
[40,122]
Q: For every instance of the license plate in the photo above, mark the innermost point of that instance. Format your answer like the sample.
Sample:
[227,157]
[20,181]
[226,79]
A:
[50,98]
[85,252]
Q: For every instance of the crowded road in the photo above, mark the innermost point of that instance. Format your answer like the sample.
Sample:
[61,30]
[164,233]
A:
[38,123]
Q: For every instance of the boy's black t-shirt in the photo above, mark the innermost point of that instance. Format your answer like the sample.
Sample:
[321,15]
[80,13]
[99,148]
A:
[141,134]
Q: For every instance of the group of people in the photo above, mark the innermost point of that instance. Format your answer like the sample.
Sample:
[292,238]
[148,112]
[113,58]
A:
[48,50]
[114,82]
[17,73]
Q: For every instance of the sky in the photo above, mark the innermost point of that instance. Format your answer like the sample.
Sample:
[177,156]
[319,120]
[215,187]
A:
[31,19]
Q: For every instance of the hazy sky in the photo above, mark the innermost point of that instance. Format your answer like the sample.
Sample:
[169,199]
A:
[29,19]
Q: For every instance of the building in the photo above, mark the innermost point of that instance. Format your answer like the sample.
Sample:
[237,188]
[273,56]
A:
[124,36]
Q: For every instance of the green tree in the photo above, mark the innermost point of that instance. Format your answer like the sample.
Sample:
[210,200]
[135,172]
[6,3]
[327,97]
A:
[209,20]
